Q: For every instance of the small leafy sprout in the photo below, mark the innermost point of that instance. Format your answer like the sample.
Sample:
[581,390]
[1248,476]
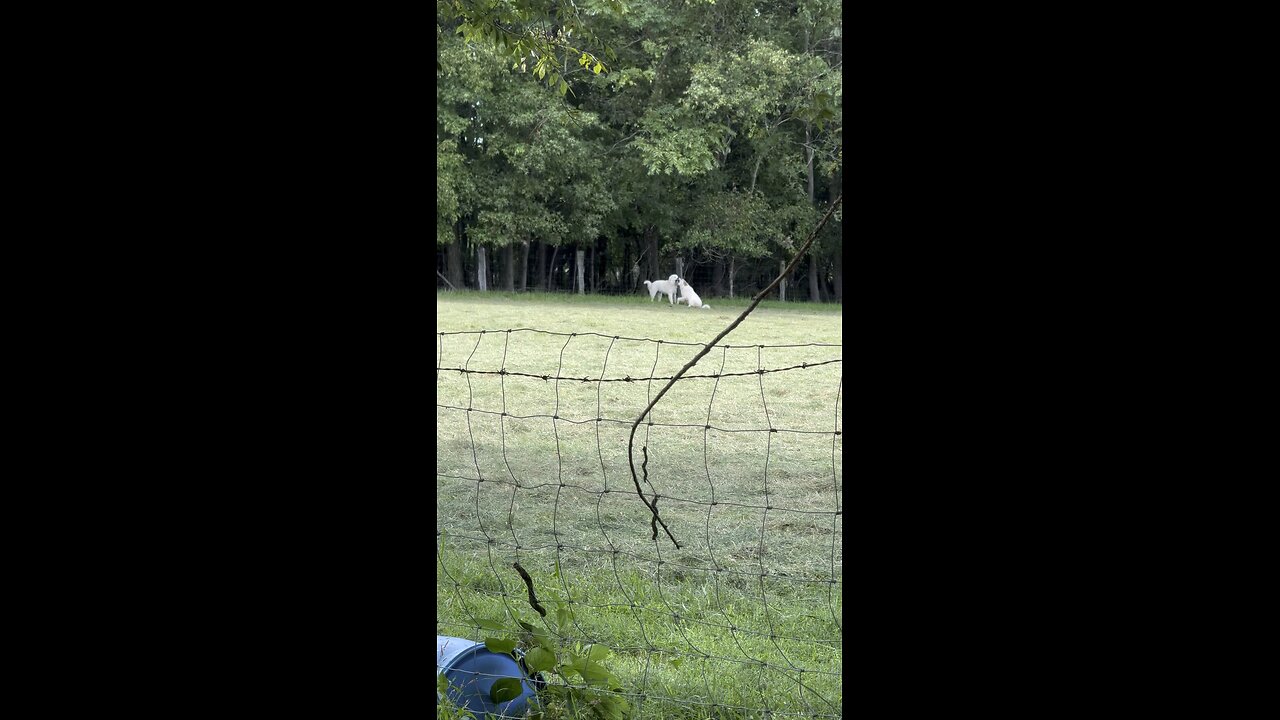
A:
[500,645]
[505,689]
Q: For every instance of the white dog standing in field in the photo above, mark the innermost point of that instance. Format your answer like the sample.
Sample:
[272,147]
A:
[667,286]
[687,295]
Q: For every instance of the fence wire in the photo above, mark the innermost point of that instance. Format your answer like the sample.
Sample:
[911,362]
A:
[742,458]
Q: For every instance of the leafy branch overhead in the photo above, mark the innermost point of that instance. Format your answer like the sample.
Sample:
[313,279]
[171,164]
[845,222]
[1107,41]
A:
[537,36]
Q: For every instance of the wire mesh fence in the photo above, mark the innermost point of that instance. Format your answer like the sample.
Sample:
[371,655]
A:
[740,616]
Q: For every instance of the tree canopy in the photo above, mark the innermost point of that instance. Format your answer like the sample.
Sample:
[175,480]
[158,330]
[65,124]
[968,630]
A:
[631,141]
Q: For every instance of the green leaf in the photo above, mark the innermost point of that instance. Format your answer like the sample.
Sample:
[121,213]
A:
[527,626]
[491,625]
[610,708]
[499,645]
[505,689]
[442,684]
[564,87]
[597,68]
[540,659]
[562,617]
[594,673]
[598,653]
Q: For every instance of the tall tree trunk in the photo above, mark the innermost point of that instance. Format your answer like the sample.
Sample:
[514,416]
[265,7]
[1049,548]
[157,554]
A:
[655,268]
[625,269]
[782,286]
[815,295]
[482,269]
[732,268]
[582,290]
[592,276]
[833,191]
[717,277]
[839,273]
[808,157]
[552,269]
[509,253]
[680,266]
[524,276]
[453,258]
[540,277]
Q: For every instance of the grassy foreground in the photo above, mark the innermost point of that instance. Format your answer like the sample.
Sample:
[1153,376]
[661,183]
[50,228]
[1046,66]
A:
[744,617]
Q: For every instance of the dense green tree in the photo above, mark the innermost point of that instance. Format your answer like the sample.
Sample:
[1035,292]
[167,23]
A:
[617,143]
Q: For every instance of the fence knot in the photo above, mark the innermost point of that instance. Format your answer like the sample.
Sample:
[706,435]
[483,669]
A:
[546,377]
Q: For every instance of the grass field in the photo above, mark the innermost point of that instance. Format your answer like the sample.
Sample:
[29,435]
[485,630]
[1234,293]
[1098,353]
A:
[744,618]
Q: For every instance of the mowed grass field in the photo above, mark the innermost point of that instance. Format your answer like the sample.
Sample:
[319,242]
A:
[744,617]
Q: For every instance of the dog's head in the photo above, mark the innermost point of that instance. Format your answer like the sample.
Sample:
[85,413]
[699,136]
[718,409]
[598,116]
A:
[672,278]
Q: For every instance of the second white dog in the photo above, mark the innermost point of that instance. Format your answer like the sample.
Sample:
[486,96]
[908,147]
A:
[687,295]
[667,286]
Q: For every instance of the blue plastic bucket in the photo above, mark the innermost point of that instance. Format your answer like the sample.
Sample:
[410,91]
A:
[471,670]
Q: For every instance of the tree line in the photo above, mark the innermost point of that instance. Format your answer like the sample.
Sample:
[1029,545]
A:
[590,146]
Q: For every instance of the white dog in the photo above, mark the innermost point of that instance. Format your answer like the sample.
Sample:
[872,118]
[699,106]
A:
[667,286]
[687,295]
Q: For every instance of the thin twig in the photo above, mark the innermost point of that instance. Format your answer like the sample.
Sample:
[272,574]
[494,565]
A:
[528,583]
[754,302]
[653,522]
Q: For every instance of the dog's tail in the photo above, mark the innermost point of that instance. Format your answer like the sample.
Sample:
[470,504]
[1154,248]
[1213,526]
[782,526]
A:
[706,307]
